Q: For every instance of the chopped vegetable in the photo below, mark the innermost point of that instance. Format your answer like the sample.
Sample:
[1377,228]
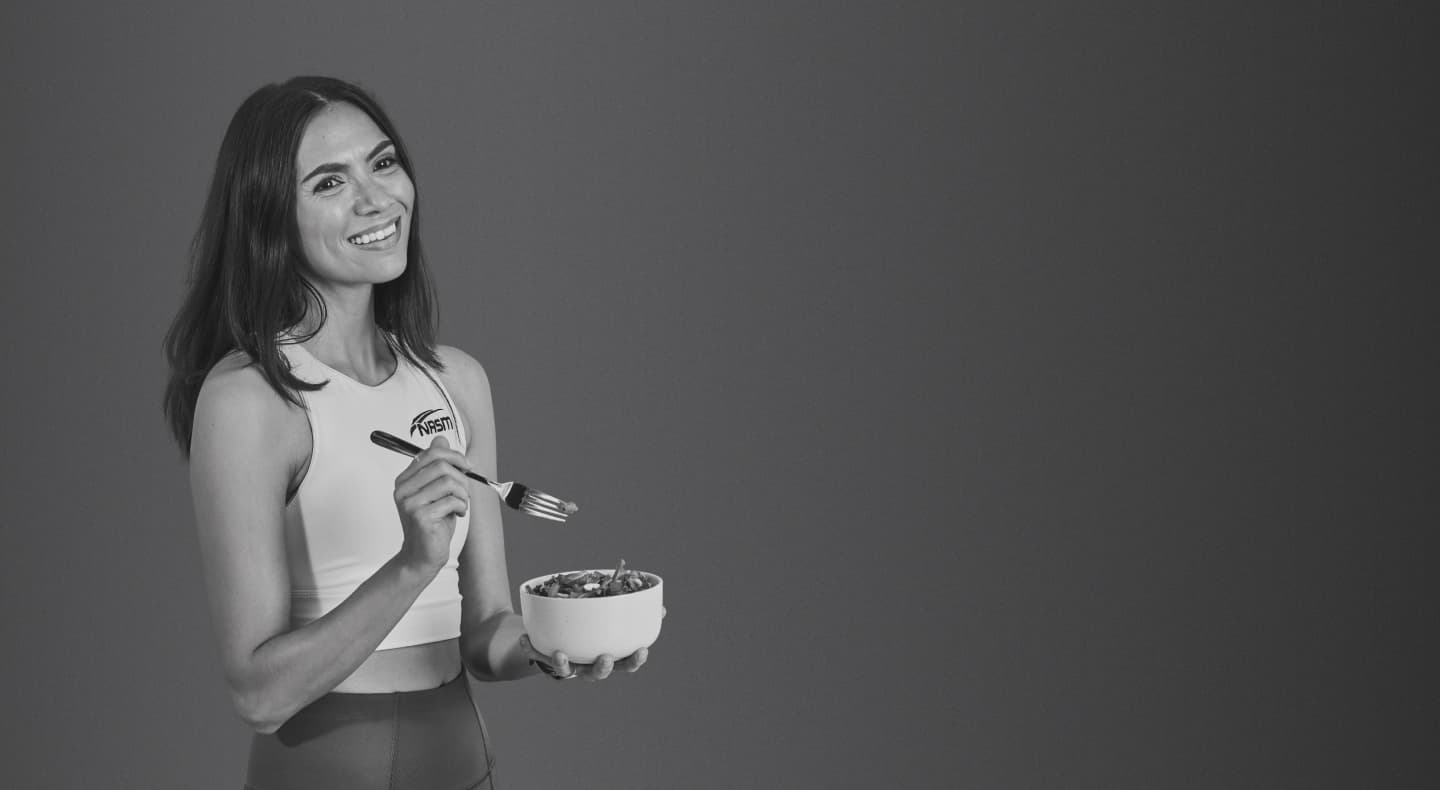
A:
[592,584]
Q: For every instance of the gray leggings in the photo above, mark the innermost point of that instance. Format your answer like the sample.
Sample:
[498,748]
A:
[402,741]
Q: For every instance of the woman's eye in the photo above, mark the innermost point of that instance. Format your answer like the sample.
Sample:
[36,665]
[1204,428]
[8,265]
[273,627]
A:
[327,184]
[386,162]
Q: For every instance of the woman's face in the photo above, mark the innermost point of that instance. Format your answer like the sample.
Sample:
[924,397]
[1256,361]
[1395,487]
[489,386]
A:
[353,202]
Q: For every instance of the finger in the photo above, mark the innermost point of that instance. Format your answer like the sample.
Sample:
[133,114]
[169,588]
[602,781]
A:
[604,665]
[636,660]
[440,450]
[437,452]
[447,484]
[427,457]
[561,662]
[413,480]
[436,490]
[442,509]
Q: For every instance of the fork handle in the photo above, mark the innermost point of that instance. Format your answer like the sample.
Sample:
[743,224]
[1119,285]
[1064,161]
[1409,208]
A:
[391,442]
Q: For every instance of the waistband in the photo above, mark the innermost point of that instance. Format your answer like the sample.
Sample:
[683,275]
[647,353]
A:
[351,706]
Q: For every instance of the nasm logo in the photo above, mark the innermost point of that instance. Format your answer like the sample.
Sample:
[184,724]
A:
[429,422]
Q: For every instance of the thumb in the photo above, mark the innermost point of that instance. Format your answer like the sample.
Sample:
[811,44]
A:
[441,442]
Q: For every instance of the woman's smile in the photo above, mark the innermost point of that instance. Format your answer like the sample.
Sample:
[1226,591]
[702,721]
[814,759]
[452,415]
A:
[384,237]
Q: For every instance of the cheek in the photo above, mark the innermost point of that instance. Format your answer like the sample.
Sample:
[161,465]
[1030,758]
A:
[318,232]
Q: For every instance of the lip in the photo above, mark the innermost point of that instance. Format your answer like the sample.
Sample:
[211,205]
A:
[395,220]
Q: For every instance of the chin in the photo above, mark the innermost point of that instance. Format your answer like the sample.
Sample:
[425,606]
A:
[387,269]
[389,274]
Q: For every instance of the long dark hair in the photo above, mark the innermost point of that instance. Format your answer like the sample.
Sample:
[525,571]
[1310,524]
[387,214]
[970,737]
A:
[245,284]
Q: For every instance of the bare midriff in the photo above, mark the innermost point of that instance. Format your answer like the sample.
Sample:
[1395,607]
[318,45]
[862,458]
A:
[413,668]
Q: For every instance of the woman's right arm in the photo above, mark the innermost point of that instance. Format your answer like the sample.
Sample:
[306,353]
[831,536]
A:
[246,445]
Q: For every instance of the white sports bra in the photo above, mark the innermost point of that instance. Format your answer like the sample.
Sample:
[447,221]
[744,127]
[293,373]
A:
[341,525]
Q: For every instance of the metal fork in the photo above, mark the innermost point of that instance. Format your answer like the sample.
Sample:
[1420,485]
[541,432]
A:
[517,495]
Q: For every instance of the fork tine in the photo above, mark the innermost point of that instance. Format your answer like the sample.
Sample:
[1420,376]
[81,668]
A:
[532,511]
[541,495]
[540,504]
[552,501]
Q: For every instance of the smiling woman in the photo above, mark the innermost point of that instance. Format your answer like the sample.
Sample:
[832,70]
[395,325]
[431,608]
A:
[252,274]
[353,203]
[350,591]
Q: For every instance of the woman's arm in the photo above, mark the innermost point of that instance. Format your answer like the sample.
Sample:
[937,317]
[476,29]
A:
[490,630]
[246,448]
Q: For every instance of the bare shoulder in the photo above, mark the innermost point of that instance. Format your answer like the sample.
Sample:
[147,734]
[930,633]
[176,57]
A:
[236,388]
[237,408]
[463,375]
[470,386]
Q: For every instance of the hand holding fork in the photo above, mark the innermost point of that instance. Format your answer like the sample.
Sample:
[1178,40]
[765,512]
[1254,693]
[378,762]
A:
[515,495]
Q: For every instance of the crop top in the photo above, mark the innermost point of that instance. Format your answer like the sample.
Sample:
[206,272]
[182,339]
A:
[341,524]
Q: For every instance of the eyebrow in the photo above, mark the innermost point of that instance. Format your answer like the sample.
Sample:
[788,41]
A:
[333,167]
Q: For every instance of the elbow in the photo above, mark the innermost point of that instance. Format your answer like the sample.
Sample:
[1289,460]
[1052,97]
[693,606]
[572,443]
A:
[260,694]
[260,715]
[479,670]
[490,672]
[261,722]
[264,726]
[486,670]
[492,651]
[485,666]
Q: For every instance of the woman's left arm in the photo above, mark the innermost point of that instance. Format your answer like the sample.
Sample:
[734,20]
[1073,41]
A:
[490,630]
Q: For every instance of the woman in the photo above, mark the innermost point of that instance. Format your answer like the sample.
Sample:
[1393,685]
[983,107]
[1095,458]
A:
[350,588]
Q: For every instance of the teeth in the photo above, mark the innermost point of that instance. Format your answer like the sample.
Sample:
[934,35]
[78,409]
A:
[370,238]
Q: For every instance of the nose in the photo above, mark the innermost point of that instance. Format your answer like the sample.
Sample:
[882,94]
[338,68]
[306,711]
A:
[371,197]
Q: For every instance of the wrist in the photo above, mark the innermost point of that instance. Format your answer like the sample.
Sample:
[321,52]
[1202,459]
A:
[415,569]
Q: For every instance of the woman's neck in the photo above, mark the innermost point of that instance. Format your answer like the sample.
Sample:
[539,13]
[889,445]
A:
[349,341]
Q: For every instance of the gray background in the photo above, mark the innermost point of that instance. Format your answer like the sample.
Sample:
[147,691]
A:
[1012,395]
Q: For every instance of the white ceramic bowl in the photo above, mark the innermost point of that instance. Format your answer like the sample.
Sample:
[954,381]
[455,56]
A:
[586,628]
